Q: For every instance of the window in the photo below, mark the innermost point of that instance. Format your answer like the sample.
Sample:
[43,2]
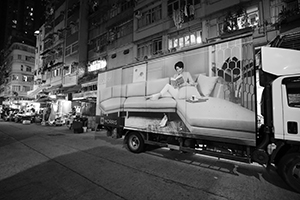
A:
[28,69]
[22,67]
[126,5]
[249,19]
[278,6]
[150,16]
[74,47]
[16,88]
[14,77]
[68,51]
[185,40]
[119,31]
[99,43]
[29,58]
[26,88]
[150,48]
[26,78]
[293,91]
[20,57]
[95,87]
[236,21]
[73,69]
[56,72]
[187,5]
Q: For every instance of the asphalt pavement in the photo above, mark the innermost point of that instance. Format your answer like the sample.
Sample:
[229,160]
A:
[47,162]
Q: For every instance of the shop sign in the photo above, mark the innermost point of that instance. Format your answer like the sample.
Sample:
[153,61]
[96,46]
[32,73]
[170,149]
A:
[111,121]
[77,95]
[90,94]
[97,65]
[69,80]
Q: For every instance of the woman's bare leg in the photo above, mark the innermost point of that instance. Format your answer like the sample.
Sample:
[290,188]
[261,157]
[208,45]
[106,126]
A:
[166,88]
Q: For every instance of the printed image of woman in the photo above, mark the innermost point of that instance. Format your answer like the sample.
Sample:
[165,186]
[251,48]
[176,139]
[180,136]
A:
[173,89]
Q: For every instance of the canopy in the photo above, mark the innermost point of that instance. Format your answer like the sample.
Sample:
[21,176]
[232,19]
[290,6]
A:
[33,93]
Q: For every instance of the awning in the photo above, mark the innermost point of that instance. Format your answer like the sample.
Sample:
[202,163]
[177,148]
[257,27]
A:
[91,82]
[85,99]
[44,99]
[71,89]
[52,88]
[33,93]
[55,64]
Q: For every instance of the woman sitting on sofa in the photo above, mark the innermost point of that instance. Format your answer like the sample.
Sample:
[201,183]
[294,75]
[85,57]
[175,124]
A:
[180,79]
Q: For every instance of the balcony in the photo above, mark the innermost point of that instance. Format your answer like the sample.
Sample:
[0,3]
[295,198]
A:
[289,20]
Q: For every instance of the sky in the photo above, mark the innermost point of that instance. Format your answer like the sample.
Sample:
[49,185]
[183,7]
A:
[2,20]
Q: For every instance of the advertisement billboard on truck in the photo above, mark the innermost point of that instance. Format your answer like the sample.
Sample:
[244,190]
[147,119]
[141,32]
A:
[202,93]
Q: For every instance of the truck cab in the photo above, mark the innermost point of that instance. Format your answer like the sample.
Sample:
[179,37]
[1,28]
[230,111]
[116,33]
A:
[280,77]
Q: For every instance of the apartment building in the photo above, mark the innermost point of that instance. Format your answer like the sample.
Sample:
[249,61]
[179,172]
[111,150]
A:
[17,50]
[82,38]
[19,64]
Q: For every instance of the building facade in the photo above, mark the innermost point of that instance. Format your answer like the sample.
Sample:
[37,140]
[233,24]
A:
[22,17]
[19,64]
[81,38]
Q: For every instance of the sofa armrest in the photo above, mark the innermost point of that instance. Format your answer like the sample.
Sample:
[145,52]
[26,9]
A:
[105,93]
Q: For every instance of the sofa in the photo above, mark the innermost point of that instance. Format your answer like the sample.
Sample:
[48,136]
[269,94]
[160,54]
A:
[216,116]
[132,98]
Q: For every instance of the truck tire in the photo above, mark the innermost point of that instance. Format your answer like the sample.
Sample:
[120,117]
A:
[135,142]
[289,169]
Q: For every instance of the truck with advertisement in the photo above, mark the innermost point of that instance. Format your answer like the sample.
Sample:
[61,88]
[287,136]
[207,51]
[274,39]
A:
[219,99]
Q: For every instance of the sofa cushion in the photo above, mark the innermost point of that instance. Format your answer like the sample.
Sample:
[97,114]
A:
[221,91]
[155,86]
[112,104]
[166,102]
[135,102]
[217,113]
[105,93]
[141,103]
[136,89]
[119,91]
[206,84]
[187,92]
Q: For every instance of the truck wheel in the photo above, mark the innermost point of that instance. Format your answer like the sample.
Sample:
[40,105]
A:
[289,169]
[135,142]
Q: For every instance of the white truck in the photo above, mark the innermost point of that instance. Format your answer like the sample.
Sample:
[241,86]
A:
[234,104]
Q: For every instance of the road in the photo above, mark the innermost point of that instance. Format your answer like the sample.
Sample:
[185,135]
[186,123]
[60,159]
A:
[43,162]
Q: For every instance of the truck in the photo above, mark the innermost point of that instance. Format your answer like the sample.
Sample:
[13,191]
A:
[237,103]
